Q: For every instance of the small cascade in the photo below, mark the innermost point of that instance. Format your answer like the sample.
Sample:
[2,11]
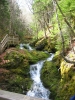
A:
[27,46]
[21,46]
[37,88]
[51,57]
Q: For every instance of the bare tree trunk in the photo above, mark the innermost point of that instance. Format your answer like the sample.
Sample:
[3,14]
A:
[40,23]
[37,31]
[44,25]
[63,47]
[47,26]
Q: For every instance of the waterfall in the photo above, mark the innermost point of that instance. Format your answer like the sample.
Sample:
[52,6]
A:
[37,88]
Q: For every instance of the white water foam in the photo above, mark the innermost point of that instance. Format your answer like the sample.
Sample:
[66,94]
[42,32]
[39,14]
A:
[37,88]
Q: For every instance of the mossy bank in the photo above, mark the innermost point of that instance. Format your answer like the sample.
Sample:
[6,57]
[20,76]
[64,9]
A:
[14,74]
[51,77]
[59,77]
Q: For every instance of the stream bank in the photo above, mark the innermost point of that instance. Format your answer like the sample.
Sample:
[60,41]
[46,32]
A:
[14,74]
[59,76]
[37,88]
[51,76]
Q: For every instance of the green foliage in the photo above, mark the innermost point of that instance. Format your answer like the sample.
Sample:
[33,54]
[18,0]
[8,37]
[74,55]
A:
[67,5]
[41,8]
[40,34]
[10,19]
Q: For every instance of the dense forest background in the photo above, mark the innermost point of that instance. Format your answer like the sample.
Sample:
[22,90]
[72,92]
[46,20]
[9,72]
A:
[11,21]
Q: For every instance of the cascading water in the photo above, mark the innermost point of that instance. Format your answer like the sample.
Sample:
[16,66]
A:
[29,47]
[21,46]
[37,88]
[26,45]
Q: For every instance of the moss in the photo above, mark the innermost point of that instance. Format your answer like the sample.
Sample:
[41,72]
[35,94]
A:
[45,45]
[66,90]
[35,56]
[50,47]
[51,78]
[41,44]
[4,74]
[57,59]
[40,55]
[19,84]
[18,79]
[23,59]
[67,84]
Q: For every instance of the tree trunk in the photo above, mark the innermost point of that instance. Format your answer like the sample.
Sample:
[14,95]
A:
[63,47]
[44,25]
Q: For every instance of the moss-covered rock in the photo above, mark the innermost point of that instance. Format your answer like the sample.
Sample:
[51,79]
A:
[67,85]
[18,83]
[41,44]
[15,73]
[57,59]
[61,84]
[45,44]
[51,78]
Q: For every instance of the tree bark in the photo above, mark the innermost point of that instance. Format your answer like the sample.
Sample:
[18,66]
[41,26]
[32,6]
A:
[44,25]
[63,47]
[68,61]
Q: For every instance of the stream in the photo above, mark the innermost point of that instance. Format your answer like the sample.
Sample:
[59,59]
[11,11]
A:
[27,46]
[37,88]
